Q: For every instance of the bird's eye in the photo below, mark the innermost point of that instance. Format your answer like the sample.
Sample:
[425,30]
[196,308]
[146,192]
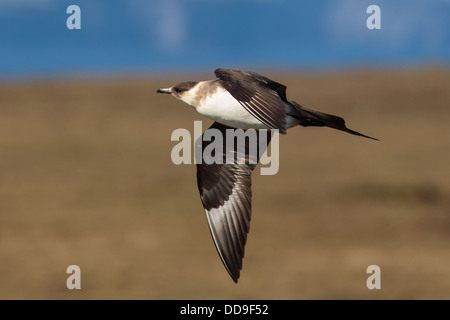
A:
[178,90]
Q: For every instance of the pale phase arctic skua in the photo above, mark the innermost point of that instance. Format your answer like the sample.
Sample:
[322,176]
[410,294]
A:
[242,100]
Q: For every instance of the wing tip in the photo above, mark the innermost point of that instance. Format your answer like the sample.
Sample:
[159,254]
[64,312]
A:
[233,270]
[235,274]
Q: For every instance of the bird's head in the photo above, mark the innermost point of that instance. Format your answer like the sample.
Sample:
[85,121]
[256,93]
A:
[181,91]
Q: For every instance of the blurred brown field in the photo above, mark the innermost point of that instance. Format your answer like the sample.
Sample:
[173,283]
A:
[86,178]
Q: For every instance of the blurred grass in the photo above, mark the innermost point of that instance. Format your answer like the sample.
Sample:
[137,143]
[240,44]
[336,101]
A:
[86,178]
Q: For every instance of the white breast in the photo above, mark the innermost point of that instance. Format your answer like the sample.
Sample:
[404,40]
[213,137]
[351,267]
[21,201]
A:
[223,108]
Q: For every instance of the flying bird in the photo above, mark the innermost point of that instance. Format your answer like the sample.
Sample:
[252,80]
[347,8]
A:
[240,99]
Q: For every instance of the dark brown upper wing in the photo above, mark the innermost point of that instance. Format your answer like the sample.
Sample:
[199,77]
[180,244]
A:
[226,194]
[259,95]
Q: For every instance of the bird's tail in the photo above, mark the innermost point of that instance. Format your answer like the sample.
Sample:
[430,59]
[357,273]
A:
[308,117]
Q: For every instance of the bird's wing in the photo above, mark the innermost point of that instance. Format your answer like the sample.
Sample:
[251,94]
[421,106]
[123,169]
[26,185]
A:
[226,194]
[261,97]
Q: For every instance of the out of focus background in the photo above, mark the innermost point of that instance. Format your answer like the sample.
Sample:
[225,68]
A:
[86,176]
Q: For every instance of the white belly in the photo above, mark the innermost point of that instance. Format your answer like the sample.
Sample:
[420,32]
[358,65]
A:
[225,109]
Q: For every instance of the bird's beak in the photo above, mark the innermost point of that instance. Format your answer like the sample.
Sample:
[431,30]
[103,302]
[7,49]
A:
[164,90]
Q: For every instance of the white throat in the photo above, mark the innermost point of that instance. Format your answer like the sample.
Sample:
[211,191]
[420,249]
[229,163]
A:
[192,96]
